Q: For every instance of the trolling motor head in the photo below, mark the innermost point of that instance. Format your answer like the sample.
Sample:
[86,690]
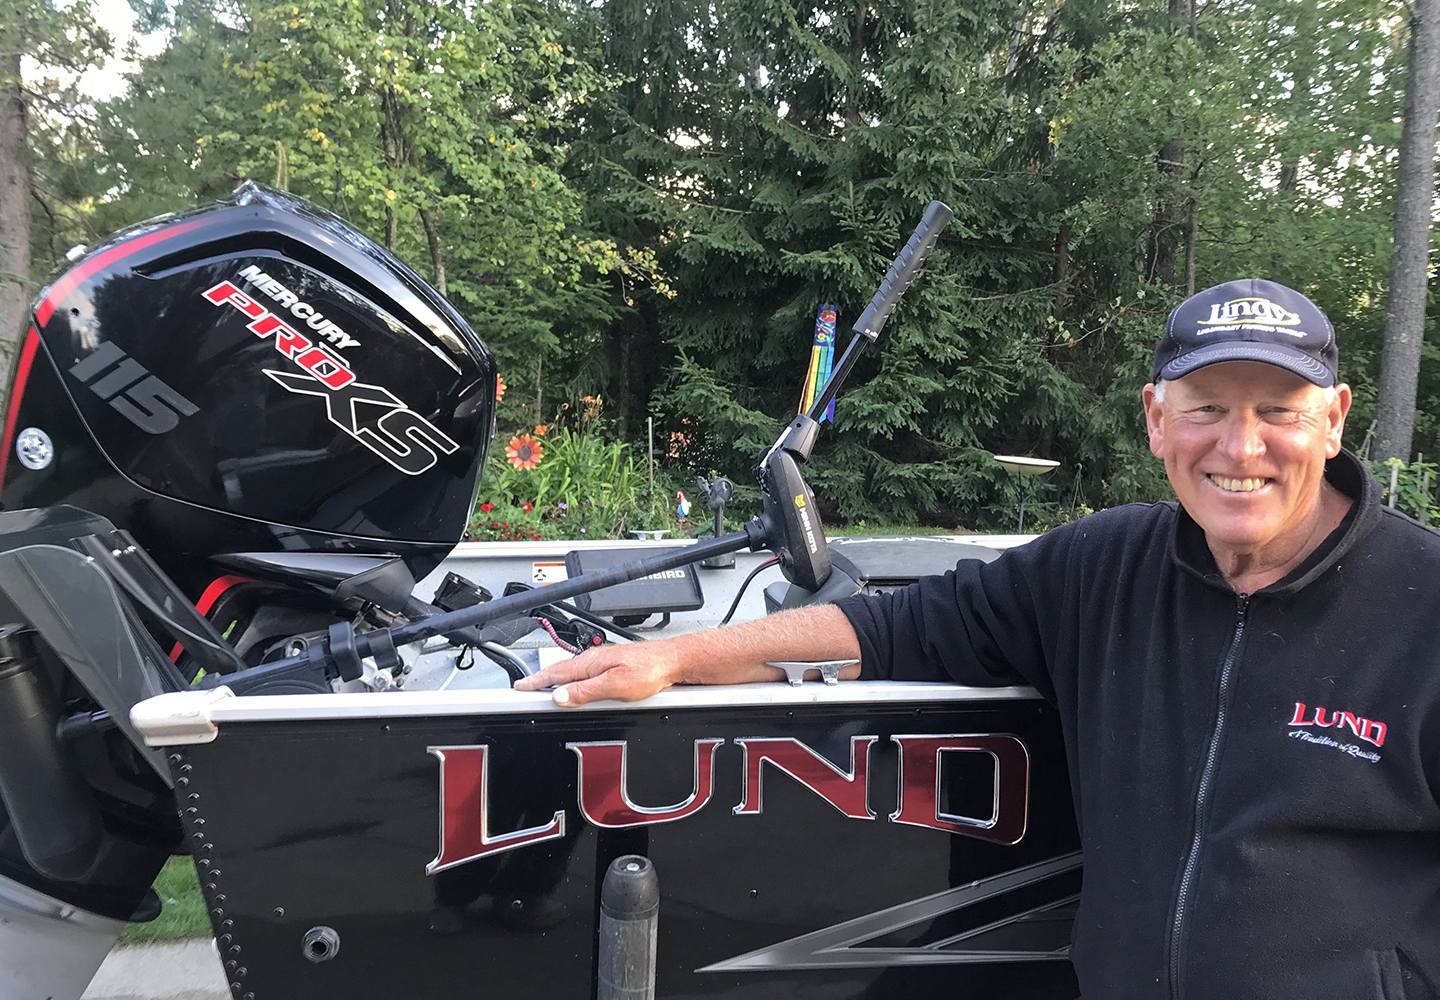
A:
[791,523]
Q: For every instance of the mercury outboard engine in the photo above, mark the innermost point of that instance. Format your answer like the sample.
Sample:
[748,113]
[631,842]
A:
[256,392]
[291,424]
[255,376]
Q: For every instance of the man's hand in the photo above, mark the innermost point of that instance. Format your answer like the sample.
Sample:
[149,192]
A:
[733,655]
[627,672]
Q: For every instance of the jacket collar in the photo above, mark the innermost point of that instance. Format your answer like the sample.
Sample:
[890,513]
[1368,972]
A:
[1347,474]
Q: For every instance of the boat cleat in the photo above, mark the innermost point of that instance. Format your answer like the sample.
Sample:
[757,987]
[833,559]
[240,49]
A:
[795,669]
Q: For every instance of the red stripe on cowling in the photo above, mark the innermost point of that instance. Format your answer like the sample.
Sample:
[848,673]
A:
[207,601]
[72,278]
[17,389]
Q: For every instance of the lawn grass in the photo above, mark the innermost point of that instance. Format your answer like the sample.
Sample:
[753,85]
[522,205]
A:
[184,914]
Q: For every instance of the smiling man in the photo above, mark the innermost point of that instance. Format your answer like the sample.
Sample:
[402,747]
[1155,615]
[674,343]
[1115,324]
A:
[1246,680]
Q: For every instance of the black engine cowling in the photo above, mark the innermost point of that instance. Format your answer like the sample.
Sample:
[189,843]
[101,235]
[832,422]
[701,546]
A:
[253,376]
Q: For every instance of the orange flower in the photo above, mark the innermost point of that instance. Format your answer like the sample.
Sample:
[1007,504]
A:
[500,387]
[524,452]
[540,429]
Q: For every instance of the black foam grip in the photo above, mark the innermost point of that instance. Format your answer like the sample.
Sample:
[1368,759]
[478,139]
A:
[902,272]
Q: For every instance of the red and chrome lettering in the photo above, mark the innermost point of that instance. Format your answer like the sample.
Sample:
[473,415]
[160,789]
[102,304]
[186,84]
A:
[604,796]
[464,819]
[327,369]
[920,785]
[846,792]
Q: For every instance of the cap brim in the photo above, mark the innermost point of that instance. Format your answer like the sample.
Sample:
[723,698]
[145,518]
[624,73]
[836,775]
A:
[1212,354]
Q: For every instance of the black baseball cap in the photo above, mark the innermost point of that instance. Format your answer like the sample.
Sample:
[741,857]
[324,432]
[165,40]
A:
[1249,320]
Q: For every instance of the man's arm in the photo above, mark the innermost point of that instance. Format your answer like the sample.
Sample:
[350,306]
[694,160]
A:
[732,655]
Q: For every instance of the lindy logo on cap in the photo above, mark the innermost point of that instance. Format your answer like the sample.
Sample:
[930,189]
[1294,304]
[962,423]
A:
[1250,308]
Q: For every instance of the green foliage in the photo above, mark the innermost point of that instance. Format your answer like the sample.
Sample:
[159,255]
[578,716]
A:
[645,200]
[583,487]
[1415,487]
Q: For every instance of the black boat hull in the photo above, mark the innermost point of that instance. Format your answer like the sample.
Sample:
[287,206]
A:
[326,812]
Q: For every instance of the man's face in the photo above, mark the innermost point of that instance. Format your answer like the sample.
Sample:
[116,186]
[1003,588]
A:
[1244,445]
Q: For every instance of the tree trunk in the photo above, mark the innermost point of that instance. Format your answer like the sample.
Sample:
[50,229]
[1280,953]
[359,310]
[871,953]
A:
[437,260]
[857,56]
[622,393]
[1410,259]
[1169,214]
[1169,221]
[1060,272]
[14,214]
[1192,228]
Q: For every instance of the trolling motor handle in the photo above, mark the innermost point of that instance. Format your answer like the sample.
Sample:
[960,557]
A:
[903,270]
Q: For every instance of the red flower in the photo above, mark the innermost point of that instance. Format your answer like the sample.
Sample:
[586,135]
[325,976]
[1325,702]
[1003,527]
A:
[504,525]
[487,507]
[524,452]
[526,506]
[534,536]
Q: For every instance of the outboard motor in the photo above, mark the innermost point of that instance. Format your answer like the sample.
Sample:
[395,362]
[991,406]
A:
[292,423]
[252,378]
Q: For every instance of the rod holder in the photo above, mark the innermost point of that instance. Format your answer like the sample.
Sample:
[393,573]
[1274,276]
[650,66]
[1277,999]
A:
[629,927]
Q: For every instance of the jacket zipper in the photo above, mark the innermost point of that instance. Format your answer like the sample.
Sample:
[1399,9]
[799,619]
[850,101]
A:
[1202,796]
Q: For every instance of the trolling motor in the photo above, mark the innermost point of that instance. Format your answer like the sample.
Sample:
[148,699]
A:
[789,526]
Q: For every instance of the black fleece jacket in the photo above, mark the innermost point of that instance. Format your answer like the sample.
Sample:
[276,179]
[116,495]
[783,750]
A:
[1255,778]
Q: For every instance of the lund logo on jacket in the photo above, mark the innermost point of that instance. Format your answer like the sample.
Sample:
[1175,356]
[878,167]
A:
[1366,729]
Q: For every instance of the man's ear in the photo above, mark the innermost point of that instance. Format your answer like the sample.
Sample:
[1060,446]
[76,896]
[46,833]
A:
[1335,419]
[1153,423]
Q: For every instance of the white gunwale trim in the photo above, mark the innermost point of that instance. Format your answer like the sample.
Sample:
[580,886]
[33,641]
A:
[186,717]
[521,550]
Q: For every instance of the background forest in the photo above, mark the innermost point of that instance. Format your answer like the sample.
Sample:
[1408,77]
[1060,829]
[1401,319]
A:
[642,202]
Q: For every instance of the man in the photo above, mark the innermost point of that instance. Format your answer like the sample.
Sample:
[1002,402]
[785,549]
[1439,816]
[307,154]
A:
[1246,680]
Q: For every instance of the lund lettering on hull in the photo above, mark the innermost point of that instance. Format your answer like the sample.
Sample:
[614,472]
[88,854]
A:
[920,785]
[464,816]
[603,792]
[846,792]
